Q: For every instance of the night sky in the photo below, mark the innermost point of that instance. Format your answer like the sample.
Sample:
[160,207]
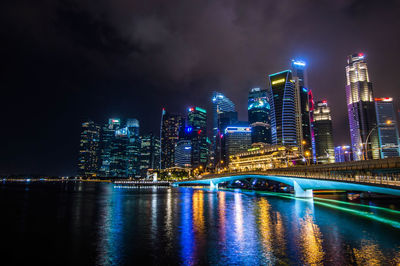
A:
[66,61]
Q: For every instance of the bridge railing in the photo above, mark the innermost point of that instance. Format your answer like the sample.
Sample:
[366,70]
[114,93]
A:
[383,172]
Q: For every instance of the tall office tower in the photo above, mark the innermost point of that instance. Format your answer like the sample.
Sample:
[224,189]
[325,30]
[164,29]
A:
[238,139]
[283,109]
[324,148]
[223,109]
[125,151]
[149,153]
[387,128]
[133,148]
[304,105]
[183,153]
[225,119]
[89,157]
[197,122]
[259,116]
[343,154]
[171,127]
[361,109]
[107,138]
[119,149]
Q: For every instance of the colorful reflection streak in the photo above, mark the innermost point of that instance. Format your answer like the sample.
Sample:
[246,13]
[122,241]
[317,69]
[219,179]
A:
[311,241]
[111,229]
[272,232]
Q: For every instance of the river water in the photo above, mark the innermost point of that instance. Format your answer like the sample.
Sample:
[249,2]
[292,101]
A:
[99,224]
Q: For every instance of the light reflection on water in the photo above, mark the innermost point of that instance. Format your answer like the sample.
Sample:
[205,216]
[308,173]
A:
[222,227]
[192,226]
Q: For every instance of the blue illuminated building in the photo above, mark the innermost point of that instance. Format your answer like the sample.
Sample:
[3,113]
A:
[283,106]
[343,154]
[107,138]
[125,151]
[224,114]
[387,127]
[183,153]
[259,116]
[304,108]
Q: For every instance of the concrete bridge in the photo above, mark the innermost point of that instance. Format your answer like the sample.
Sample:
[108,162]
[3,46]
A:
[376,176]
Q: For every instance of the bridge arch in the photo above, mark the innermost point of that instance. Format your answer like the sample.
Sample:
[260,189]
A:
[303,187]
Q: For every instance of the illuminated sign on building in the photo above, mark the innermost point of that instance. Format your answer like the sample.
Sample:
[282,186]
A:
[299,63]
[201,110]
[237,129]
[387,99]
[278,81]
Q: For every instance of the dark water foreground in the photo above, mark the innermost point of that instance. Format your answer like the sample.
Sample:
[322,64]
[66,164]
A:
[97,224]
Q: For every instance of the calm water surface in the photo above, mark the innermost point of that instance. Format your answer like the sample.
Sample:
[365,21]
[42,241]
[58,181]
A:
[97,224]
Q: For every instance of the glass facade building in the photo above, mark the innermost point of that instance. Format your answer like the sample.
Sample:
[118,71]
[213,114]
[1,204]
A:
[323,133]
[183,153]
[304,107]
[387,127]
[125,151]
[283,106]
[197,132]
[361,109]
[343,154]
[224,113]
[89,150]
[172,126]
[149,153]
[238,139]
[107,138]
[259,109]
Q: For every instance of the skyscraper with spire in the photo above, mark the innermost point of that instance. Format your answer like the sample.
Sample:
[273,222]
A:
[361,109]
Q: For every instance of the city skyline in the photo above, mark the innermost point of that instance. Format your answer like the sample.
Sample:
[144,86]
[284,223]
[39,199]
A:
[62,85]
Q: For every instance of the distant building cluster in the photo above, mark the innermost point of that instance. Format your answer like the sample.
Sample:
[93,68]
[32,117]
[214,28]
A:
[116,150]
[285,127]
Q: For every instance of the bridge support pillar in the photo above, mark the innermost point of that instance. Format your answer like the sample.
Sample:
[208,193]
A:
[299,192]
[213,186]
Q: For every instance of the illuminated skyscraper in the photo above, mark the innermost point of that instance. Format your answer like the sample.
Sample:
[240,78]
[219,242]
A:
[125,151]
[197,123]
[361,109]
[387,127]
[323,133]
[223,110]
[107,137]
[304,106]
[238,139]
[283,106]
[343,154]
[89,156]
[133,148]
[149,153]
[259,116]
[171,126]
[183,153]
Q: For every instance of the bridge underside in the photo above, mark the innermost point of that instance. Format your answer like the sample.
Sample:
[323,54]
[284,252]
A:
[303,187]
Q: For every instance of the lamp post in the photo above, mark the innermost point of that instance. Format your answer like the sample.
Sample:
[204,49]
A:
[388,122]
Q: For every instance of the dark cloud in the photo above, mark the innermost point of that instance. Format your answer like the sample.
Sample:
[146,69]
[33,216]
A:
[65,61]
